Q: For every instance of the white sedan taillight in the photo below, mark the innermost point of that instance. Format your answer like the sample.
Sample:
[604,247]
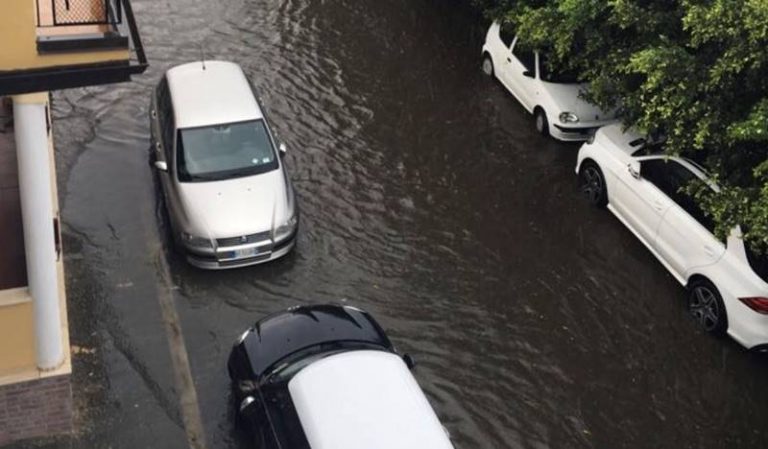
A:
[758,304]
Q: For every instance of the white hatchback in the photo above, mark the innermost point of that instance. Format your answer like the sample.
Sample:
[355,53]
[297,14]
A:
[727,282]
[553,98]
[326,376]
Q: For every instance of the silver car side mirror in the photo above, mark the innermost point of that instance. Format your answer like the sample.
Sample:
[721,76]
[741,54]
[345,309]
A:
[283,149]
[161,165]
[634,169]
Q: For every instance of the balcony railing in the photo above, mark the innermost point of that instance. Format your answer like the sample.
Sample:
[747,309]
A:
[57,13]
[102,38]
[72,25]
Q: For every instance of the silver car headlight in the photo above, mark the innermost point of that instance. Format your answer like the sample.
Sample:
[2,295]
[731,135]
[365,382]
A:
[569,117]
[284,231]
[193,241]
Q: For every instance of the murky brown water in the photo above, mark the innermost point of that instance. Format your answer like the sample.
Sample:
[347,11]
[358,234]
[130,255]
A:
[426,199]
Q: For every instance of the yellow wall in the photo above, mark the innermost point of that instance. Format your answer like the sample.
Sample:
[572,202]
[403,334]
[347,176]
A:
[18,41]
[17,337]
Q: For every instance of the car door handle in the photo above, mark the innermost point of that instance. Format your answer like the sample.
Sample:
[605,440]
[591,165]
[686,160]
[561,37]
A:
[709,251]
[158,146]
[658,205]
[509,59]
[153,113]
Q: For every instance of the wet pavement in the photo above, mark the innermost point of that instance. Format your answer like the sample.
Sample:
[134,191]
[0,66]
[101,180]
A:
[427,199]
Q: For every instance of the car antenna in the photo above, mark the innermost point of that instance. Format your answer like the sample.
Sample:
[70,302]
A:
[202,53]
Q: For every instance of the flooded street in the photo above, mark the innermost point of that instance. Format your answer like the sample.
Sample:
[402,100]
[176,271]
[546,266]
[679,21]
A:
[428,199]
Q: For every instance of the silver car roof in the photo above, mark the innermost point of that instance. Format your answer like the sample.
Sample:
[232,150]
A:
[219,93]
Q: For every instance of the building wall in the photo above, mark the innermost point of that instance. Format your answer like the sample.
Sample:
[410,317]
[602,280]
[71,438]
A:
[33,403]
[17,344]
[40,407]
[18,35]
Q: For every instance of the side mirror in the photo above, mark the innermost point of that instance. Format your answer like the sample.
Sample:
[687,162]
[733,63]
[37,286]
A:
[409,362]
[161,165]
[283,149]
[528,73]
[634,169]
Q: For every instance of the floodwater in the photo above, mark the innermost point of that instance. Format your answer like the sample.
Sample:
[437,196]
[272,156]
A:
[427,199]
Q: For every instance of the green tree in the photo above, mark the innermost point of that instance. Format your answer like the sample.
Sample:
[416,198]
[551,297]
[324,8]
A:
[696,70]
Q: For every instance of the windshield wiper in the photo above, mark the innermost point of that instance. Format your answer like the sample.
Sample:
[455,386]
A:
[194,178]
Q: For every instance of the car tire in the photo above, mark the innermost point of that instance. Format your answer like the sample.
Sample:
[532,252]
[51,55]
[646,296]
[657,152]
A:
[706,306]
[542,124]
[592,184]
[487,65]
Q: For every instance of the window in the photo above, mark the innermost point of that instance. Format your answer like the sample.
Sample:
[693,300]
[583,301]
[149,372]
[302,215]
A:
[165,117]
[645,148]
[757,261]
[526,57]
[161,93]
[507,34]
[167,130]
[286,371]
[226,151]
[668,176]
[555,75]
[672,178]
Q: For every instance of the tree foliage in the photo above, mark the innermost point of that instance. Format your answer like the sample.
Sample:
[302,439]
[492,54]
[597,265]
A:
[695,69]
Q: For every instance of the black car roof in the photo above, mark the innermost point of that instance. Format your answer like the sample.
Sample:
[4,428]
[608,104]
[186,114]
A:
[278,336]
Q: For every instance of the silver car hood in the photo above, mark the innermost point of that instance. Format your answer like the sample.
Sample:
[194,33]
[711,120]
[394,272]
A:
[235,207]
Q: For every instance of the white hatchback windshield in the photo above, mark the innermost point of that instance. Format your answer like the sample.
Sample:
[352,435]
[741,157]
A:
[226,151]
[552,75]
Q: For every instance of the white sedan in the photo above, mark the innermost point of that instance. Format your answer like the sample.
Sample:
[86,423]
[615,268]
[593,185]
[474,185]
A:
[727,282]
[553,98]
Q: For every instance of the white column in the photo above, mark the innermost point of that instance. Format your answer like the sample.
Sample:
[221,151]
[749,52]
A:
[35,190]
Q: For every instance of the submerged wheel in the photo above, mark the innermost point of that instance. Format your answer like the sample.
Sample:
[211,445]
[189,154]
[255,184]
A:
[542,124]
[706,306]
[592,184]
[487,65]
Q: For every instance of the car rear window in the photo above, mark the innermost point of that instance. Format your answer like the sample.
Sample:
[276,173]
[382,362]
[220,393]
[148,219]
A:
[758,262]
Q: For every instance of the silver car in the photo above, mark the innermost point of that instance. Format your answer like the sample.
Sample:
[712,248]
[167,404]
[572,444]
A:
[228,196]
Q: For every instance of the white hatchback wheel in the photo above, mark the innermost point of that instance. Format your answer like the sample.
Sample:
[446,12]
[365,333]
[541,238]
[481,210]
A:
[542,124]
[487,65]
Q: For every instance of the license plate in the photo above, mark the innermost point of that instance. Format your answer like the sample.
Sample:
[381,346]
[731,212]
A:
[245,253]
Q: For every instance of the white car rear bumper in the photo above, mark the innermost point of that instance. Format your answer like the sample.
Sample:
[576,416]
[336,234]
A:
[746,326]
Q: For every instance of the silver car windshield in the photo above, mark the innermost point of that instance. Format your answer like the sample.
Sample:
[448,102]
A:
[227,151]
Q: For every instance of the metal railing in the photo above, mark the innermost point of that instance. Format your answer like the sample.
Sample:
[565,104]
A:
[114,17]
[54,13]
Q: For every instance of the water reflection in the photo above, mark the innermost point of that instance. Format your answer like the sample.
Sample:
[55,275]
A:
[428,199]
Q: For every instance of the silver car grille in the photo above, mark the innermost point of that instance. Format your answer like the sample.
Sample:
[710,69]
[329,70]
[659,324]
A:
[245,239]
